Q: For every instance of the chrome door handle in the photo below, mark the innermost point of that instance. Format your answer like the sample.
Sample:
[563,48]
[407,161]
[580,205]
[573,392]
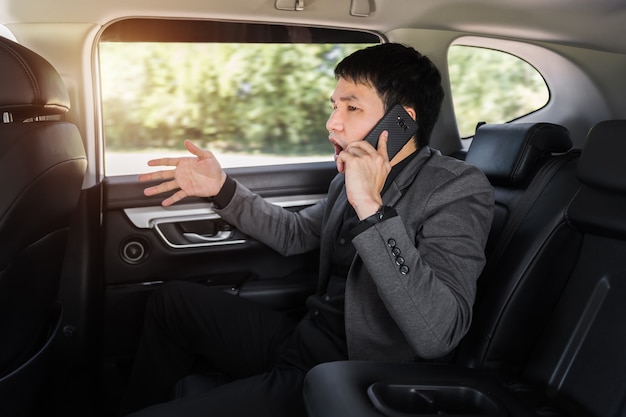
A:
[218,237]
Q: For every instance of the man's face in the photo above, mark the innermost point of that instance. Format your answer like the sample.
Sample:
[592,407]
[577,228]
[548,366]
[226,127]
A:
[356,109]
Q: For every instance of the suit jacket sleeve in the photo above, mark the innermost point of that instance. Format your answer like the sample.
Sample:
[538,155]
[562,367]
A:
[425,261]
[287,232]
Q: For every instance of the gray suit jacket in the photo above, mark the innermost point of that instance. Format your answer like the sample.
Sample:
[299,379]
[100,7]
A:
[444,208]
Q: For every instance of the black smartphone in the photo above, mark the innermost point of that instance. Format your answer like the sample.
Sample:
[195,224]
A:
[400,126]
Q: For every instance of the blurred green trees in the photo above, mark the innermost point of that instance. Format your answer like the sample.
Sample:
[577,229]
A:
[272,98]
[492,86]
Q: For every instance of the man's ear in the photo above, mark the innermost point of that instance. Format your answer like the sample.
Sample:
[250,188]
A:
[411,112]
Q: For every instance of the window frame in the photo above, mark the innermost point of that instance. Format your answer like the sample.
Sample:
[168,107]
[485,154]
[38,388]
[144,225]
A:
[216,31]
[510,48]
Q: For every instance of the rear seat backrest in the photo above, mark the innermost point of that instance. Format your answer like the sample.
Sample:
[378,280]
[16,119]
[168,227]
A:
[532,186]
[510,156]
[581,359]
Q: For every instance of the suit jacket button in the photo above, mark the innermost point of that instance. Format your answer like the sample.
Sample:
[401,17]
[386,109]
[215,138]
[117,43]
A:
[400,261]
[391,243]
[404,269]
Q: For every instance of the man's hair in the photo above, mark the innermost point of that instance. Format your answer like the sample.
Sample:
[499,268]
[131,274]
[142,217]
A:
[400,75]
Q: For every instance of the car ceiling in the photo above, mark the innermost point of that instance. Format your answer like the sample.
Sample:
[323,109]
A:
[593,24]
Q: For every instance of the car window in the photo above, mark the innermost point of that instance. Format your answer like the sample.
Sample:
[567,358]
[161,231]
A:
[492,86]
[253,94]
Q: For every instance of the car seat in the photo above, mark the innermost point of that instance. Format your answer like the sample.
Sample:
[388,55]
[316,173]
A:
[42,165]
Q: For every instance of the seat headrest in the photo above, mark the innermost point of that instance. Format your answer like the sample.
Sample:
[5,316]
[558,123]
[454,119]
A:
[600,203]
[602,163]
[506,153]
[29,86]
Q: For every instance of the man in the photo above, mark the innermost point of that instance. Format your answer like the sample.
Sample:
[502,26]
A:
[401,245]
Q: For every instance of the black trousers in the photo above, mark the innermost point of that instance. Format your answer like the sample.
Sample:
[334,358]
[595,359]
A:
[263,353]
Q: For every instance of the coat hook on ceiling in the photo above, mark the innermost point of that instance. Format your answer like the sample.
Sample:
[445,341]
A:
[292,5]
[361,8]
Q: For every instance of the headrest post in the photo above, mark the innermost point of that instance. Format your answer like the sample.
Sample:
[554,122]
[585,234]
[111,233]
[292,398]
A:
[7,117]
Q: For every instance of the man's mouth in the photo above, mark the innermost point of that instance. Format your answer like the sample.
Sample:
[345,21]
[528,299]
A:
[338,149]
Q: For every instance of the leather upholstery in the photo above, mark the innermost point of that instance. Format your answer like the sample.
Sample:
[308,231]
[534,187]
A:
[345,388]
[579,360]
[30,85]
[504,323]
[42,165]
[508,153]
[601,203]
[602,165]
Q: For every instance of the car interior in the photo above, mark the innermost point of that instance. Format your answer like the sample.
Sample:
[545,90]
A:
[89,91]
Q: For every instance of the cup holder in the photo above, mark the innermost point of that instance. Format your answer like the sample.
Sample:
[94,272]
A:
[404,400]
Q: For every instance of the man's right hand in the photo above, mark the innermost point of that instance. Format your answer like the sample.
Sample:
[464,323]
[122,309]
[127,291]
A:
[199,176]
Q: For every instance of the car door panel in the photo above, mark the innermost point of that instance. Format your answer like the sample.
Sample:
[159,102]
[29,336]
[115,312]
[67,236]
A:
[146,245]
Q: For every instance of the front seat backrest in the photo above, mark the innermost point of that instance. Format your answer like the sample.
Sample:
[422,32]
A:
[42,165]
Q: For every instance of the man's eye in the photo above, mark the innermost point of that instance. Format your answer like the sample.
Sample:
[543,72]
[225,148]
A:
[351,108]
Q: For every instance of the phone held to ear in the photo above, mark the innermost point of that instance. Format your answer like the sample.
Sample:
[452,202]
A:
[400,126]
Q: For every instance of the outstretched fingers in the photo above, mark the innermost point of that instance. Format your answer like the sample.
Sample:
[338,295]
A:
[166,162]
[197,175]
[163,187]
[174,198]
[163,175]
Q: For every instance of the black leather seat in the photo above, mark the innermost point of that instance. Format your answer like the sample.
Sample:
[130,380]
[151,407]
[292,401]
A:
[533,172]
[511,156]
[578,365]
[42,165]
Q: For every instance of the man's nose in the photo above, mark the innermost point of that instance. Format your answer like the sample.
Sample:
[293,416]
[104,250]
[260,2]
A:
[334,122]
